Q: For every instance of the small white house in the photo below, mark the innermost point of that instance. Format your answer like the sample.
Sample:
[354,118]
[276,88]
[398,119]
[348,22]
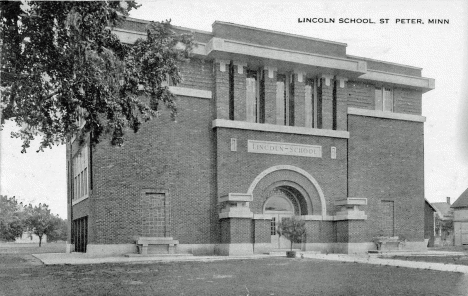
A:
[460,219]
[28,237]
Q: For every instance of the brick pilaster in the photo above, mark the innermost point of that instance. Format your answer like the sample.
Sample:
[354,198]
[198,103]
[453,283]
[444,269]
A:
[327,103]
[299,99]
[342,105]
[239,91]
[270,96]
[221,89]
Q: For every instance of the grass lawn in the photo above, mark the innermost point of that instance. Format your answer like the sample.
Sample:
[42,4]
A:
[21,274]
[459,260]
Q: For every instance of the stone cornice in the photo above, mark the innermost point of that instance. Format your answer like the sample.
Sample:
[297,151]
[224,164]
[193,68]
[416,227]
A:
[387,115]
[223,123]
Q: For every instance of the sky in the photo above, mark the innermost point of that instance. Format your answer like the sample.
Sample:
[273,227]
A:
[441,50]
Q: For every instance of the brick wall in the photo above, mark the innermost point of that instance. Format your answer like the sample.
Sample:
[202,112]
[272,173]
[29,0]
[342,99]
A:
[261,231]
[174,156]
[221,92]
[428,221]
[279,40]
[320,231]
[360,95]
[197,74]
[407,101]
[236,230]
[386,162]
[237,170]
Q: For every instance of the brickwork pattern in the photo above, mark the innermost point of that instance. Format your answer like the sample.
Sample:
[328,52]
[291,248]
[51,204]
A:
[341,107]
[270,98]
[320,231]
[221,94]
[240,88]
[386,67]
[407,101]
[237,170]
[360,95]
[265,38]
[154,207]
[386,162]
[197,74]
[236,230]
[299,102]
[261,231]
[163,154]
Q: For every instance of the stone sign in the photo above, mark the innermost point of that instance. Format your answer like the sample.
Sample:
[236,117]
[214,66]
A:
[284,148]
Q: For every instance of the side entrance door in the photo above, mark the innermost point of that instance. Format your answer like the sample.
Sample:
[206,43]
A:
[279,241]
[464,233]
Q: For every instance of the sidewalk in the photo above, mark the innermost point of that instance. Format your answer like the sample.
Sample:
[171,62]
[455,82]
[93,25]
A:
[392,262]
[81,258]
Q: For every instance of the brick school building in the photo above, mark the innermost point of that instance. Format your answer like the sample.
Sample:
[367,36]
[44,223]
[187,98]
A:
[270,125]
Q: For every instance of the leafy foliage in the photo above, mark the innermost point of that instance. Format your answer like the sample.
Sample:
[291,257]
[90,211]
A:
[15,219]
[40,220]
[11,224]
[293,229]
[61,62]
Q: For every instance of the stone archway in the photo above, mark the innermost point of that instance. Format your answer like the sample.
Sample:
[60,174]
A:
[291,177]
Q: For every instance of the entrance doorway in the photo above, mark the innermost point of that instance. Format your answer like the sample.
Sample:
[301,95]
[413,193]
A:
[278,207]
[80,234]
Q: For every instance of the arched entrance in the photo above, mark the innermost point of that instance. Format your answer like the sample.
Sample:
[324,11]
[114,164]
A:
[282,202]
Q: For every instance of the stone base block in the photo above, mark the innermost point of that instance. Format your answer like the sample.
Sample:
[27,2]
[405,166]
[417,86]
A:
[69,248]
[110,249]
[340,248]
[234,249]
[196,249]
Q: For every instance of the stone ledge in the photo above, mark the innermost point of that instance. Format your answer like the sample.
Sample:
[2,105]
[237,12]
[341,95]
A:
[245,197]
[387,115]
[232,214]
[190,92]
[265,127]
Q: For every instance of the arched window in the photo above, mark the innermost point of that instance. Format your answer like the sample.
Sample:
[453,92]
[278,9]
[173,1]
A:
[279,203]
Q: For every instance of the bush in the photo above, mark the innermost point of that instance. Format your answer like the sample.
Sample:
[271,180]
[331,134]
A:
[293,229]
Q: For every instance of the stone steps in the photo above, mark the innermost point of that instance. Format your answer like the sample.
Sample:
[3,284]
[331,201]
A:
[158,255]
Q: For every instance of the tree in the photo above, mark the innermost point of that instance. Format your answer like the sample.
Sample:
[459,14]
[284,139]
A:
[59,231]
[293,229]
[11,224]
[40,221]
[62,65]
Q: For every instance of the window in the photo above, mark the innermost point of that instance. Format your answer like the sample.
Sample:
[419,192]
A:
[80,174]
[273,226]
[285,99]
[334,103]
[231,91]
[310,103]
[255,96]
[384,99]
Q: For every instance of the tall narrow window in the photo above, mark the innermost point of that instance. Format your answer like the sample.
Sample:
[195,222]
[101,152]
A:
[231,91]
[255,96]
[261,96]
[284,99]
[384,99]
[309,103]
[334,104]
[319,103]
[80,174]
[290,101]
[251,96]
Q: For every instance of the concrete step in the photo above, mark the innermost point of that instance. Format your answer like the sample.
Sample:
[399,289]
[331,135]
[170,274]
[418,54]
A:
[158,255]
[280,252]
